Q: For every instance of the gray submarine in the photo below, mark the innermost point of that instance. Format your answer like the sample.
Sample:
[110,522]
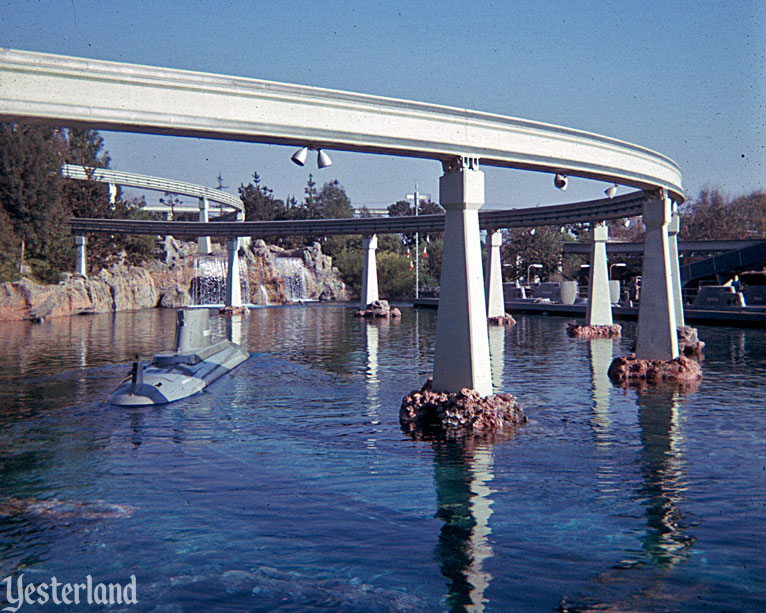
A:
[172,375]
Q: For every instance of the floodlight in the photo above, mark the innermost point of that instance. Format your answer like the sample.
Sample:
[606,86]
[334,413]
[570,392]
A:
[323,160]
[299,157]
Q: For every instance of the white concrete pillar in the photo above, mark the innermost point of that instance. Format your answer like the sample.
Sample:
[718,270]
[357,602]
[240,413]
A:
[370,271]
[674,227]
[657,334]
[233,289]
[203,242]
[493,276]
[461,357]
[599,297]
[244,241]
[81,265]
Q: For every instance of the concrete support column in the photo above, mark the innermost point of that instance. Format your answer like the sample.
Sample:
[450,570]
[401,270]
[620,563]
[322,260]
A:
[674,227]
[244,241]
[657,334]
[233,289]
[370,271]
[461,356]
[599,301]
[81,265]
[203,242]
[493,275]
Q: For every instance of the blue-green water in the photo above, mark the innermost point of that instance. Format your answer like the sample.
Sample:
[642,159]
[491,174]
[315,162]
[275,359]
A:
[290,486]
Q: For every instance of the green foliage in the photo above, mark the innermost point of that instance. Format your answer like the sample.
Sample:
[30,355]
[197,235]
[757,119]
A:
[9,249]
[350,264]
[523,247]
[31,199]
[395,279]
[260,204]
[36,203]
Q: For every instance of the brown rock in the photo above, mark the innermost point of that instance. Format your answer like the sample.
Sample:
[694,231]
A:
[379,308]
[429,413]
[688,342]
[630,371]
[501,320]
[599,331]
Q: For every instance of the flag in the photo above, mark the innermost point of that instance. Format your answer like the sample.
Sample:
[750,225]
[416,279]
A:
[425,252]
[408,252]
[411,266]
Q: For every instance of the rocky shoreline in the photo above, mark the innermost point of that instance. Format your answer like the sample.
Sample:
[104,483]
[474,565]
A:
[168,283]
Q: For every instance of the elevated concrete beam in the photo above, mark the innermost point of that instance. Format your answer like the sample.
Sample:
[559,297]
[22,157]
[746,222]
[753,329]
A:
[80,92]
[599,302]
[370,271]
[461,357]
[657,333]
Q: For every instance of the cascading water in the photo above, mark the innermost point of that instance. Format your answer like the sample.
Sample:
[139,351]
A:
[293,273]
[208,286]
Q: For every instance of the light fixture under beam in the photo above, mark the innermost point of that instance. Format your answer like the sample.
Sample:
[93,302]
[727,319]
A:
[299,157]
[323,160]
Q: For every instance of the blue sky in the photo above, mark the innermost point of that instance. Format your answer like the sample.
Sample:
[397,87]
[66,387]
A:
[687,79]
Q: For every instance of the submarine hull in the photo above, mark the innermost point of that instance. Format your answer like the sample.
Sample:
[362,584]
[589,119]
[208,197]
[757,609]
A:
[174,376]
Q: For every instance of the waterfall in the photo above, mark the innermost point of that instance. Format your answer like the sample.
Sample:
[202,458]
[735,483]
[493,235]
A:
[293,273]
[264,294]
[208,287]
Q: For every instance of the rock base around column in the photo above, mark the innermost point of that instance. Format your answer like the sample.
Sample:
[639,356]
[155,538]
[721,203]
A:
[501,320]
[233,310]
[631,371]
[599,331]
[426,413]
[379,308]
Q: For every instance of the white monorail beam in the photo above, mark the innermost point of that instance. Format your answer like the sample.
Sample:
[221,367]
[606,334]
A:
[80,92]
[159,184]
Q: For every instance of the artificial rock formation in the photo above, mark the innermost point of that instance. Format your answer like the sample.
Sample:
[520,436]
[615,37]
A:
[501,320]
[594,331]
[379,309]
[429,413]
[689,343]
[630,371]
[164,283]
[118,289]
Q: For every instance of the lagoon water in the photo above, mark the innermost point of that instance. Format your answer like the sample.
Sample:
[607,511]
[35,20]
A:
[289,485]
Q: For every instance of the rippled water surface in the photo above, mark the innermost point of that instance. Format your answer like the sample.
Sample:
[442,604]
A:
[289,484]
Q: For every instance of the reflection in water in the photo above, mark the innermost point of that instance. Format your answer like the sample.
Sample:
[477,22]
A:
[662,491]
[233,325]
[497,356]
[600,359]
[371,333]
[462,472]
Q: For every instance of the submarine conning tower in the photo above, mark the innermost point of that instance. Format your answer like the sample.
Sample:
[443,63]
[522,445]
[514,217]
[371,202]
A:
[192,330]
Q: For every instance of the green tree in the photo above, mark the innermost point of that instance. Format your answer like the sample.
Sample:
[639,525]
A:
[30,196]
[543,245]
[259,202]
